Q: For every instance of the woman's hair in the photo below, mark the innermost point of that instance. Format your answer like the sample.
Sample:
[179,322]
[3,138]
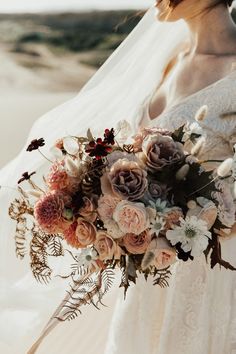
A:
[174,3]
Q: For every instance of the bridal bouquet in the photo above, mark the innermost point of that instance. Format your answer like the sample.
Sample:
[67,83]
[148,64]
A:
[139,207]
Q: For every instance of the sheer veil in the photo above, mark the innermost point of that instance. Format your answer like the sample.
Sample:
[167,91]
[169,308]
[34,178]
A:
[116,92]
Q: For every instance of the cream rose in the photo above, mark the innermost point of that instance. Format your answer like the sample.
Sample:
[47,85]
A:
[137,244]
[131,217]
[106,246]
[85,232]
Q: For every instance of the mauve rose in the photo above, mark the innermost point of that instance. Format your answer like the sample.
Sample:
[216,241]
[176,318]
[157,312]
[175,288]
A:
[158,190]
[131,217]
[85,232]
[128,180]
[161,151]
[137,244]
[144,133]
[106,246]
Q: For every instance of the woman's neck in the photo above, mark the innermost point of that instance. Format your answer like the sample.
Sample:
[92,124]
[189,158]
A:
[213,32]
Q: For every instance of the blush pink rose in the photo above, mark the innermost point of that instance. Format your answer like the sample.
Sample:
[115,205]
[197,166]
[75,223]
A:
[106,207]
[85,232]
[137,244]
[159,254]
[165,255]
[106,247]
[131,217]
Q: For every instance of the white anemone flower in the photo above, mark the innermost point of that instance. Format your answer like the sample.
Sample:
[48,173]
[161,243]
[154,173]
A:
[157,224]
[87,257]
[193,235]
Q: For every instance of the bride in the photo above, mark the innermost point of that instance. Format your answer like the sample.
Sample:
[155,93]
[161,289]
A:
[197,313]
[161,75]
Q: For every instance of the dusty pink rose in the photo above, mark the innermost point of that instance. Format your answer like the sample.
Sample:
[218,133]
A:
[144,133]
[106,247]
[165,255]
[85,232]
[106,207]
[172,218]
[159,254]
[71,236]
[137,244]
[88,211]
[131,217]
[161,151]
[48,212]
[128,180]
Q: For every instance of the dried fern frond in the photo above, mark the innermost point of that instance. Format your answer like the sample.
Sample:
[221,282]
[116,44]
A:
[18,211]
[162,277]
[39,256]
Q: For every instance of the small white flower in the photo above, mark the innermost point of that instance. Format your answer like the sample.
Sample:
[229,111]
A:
[225,168]
[157,224]
[87,257]
[192,234]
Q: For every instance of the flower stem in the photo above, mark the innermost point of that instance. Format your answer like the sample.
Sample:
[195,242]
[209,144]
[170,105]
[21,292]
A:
[205,161]
[206,185]
[45,156]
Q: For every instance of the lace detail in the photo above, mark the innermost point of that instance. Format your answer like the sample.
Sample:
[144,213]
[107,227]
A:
[197,313]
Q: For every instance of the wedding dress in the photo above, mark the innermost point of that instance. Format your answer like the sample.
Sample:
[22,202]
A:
[197,313]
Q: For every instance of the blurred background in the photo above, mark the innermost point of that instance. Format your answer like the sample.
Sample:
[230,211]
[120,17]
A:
[48,51]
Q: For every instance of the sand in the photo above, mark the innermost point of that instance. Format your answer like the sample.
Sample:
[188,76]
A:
[31,86]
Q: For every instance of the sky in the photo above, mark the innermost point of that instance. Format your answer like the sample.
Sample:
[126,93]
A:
[59,5]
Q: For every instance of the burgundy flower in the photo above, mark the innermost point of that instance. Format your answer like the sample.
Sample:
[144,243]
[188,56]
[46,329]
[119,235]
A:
[98,149]
[35,144]
[25,177]
[109,136]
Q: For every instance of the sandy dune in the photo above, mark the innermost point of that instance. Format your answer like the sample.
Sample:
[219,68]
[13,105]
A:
[26,94]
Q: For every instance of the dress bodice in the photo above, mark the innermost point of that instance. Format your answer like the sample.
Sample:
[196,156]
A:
[219,124]
[197,312]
